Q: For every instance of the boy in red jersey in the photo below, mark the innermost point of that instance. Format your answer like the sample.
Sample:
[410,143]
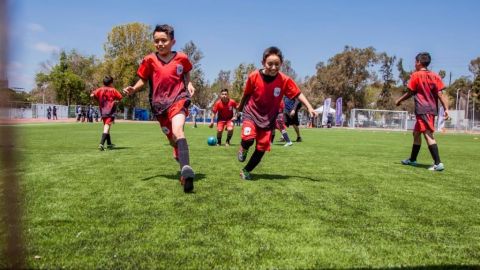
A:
[167,73]
[426,87]
[107,96]
[263,93]
[225,108]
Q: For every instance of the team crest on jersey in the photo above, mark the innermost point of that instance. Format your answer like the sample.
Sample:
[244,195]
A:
[179,69]
[276,91]
[247,131]
[165,130]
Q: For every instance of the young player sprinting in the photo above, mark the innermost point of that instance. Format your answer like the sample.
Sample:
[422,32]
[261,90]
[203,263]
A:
[225,108]
[167,72]
[260,104]
[107,97]
[426,87]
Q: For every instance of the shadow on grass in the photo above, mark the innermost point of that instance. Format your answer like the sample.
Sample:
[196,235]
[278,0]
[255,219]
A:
[422,267]
[418,166]
[173,176]
[119,148]
[274,177]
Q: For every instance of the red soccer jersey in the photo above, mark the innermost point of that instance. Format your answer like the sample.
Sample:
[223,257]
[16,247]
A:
[225,110]
[425,85]
[106,97]
[265,97]
[167,80]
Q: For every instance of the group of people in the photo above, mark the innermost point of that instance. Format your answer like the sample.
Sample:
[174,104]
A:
[167,73]
[87,114]
[52,113]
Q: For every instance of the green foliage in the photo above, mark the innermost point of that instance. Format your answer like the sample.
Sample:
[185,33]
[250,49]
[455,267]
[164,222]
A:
[358,208]
[385,100]
[203,94]
[240,75]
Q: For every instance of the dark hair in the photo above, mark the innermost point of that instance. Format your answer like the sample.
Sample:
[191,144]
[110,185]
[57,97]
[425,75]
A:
[224,90]
[272,50]
[424,58]
[107,80]
[165,28]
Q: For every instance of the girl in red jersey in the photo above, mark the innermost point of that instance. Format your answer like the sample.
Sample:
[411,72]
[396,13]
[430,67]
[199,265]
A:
[107,98]
[167,72]
[426,86]
[263,93]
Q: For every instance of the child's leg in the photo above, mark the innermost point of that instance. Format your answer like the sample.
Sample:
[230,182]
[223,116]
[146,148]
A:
[219,137]
[432,146]
[229,131]
[178,122]
[417,143]
[254,160]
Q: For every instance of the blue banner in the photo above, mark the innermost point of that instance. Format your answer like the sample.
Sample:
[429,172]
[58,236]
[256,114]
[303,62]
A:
[338,112]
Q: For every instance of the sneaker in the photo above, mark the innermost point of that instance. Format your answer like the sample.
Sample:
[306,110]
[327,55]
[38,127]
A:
[439,167]
[242,154]
[299,139]
[409,162]
[186,178]
[227,144]
[110,146]
[288,144]
[101,147]
[245,175]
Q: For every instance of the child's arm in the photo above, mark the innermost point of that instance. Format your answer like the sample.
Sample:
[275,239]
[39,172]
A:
[133,89]
[189,84]
[404,97]
[242,102]
[212,116]
[305,102]
[444,101]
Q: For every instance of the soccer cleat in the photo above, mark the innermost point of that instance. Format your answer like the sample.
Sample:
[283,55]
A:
[110,146]
[299,139]
[245,175]
[439,167]
[186,178]
[409,162]
[101,147]
[227,144]
[242,154]
[288,144]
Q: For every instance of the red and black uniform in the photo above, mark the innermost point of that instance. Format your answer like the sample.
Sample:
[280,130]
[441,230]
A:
[425,86]
[225,113]
[263,105]
[107,97]
[168,92]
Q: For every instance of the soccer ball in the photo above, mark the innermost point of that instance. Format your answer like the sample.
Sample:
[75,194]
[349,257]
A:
[212,141]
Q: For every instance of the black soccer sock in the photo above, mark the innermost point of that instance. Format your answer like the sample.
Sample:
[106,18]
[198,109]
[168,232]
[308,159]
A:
[415,150]
[219,138]
[104,136]
[246,144]
[285,136]
[183,153]
[229,136]
[434,151]
[254,160]
[109,141]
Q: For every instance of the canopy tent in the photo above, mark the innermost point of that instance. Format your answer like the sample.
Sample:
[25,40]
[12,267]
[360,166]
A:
[320,110]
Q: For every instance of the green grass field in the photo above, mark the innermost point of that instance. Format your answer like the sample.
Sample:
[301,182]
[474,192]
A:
[340,199]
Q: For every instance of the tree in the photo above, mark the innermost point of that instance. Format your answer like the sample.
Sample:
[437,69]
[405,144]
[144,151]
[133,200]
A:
[202,95]
[124,50]
[240,75]
[442,73]
[346,75]
[385,98]
[403,75]
[221,82]
[288,70]
[474,67]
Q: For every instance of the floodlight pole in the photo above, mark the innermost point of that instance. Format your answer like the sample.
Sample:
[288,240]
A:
[456,110]
[466,111]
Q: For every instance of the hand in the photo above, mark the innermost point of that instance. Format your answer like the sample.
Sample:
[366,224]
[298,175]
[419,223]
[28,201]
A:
[211,125]
[447,116]
[129,90]
[292,113]
[312,112]
[191,89]
[398,102]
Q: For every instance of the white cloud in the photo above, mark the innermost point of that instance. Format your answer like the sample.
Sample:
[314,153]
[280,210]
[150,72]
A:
[46,48]
[35,27]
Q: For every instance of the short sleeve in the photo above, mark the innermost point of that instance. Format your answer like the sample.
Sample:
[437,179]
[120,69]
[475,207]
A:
[145,69]
[118,95]
[187,65]
[413,83]
[291,89]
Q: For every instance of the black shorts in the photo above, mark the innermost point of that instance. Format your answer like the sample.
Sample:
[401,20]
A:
[291,120]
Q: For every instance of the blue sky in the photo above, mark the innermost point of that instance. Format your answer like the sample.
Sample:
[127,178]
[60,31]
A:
[234,32]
